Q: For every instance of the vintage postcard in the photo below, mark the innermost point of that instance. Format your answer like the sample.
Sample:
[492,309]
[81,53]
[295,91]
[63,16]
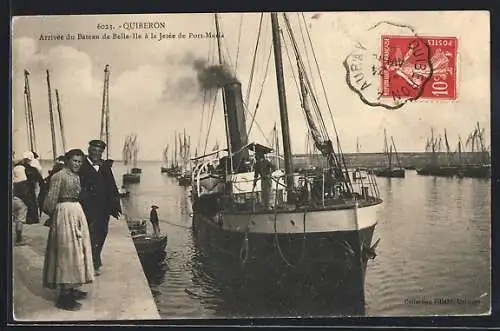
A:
[229,165]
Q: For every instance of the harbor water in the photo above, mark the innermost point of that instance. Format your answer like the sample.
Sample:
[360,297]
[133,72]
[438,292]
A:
[433,257]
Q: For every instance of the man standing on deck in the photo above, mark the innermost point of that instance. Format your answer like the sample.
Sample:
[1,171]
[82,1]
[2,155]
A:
[153,218]
[263,170]
[100,198]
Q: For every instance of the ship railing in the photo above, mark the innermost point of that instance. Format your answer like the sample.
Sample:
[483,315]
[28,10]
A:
[364,182]
[314,189]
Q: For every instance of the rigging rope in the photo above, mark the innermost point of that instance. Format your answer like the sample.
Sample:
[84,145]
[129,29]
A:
[326,99]
[260,93]
[238,46]
[249,87]
[206,93]
[295,80]
[316,109]
[229,61]
[307,54]
[333,155]
[276,239]
[210,123]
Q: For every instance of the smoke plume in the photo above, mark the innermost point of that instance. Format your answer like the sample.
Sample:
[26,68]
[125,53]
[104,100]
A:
[191,77]
[212,76]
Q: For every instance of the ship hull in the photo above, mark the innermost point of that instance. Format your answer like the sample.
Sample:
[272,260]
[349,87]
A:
[130,178]
[322,250]
[390,173]
[479,171]
[449,171]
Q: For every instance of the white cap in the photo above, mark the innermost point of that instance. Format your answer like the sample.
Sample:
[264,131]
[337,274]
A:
[28,155]
[18,174]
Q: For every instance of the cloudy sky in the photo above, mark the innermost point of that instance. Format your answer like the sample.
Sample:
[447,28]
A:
[154,92]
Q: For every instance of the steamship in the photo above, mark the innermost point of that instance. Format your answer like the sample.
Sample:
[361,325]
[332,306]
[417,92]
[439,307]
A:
[317,227]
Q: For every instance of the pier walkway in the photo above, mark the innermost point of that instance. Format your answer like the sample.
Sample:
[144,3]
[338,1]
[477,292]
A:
[121,292]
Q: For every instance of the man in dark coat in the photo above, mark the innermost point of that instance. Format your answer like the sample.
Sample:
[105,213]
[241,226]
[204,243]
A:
[100,198]
[34,177]
[153,218]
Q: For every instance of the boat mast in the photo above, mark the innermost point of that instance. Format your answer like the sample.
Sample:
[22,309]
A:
[285,129]
[396,152]
[226,123]
[105,110]
[61,126]
[459,151]
[51,112]
[29,112]
[386,148]
[433,145]
[175,149]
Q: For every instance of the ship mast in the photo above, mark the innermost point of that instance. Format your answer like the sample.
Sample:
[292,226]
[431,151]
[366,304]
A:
[285,130]
[61,126]
[396,152]
[459,151]
[175,149]
[104,135]
[51,113]
[226,123]
[30,125]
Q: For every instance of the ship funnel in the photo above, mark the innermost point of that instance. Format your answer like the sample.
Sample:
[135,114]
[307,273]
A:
[236,123]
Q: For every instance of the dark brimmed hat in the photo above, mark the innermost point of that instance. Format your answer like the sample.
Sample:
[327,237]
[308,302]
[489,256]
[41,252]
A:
[154,206]
[97,143]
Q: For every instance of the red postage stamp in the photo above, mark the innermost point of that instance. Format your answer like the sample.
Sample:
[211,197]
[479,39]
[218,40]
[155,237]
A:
[419,67]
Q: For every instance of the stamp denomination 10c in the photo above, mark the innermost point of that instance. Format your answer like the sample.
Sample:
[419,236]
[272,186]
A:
[406,68]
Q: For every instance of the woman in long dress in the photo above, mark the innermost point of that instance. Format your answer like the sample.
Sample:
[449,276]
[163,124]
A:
[68,257]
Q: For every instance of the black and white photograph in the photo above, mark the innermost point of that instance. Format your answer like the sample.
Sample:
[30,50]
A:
[250,165]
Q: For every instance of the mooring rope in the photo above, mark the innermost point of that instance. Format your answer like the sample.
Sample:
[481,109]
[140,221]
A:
[276,239]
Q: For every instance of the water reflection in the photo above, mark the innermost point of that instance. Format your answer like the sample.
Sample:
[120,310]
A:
[226,295]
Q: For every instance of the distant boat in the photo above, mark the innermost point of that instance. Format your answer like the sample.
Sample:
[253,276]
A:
[481,168]
[390,171]
[164,167]
[433,168]
[129,178]
[129,152]
[124,193]
[184,179]
[184,173]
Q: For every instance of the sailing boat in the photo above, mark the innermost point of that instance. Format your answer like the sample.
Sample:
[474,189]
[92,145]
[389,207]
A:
[173,170]
[184,176]
[164,166]
[390,170]
[318,227]
[481,166]
[129,155]
[433,168]
[135,152]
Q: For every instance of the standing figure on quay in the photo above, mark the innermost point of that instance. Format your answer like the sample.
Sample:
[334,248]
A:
[100,198]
